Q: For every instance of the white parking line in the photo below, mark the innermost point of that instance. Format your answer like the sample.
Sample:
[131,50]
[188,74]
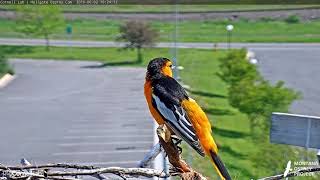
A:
[99,152]
[104,143]
[105,136]
[81,130]
[99,125]
[90,121]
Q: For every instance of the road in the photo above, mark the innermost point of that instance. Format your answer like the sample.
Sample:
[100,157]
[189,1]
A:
[59,111]
[197,45]
[299,68]
[295,63]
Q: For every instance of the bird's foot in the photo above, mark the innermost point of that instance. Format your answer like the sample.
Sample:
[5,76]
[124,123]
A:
[179,149]
[177,141]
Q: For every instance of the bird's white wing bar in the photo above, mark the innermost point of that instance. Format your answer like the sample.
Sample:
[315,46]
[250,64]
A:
[184,122]
[169,115]
[179,123]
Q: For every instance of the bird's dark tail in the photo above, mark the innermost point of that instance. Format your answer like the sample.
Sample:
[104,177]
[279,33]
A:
[219,166]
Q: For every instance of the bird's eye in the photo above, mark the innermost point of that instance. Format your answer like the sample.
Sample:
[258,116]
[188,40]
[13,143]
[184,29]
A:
[170,65]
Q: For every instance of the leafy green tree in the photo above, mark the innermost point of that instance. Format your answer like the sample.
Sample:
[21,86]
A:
[250,93]
[234,67]
[39,20]
[138,34]
[258,98]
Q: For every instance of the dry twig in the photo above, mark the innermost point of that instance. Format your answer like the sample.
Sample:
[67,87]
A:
[17,172]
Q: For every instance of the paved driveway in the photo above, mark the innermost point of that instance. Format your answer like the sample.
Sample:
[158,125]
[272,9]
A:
[300,69]
[59,111]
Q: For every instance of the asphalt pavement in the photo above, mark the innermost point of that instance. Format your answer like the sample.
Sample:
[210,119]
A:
[299,69]
[63,111]
[297,64]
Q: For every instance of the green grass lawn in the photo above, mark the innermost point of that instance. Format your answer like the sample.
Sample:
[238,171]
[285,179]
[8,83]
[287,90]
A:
[170,8]
[189,31]
[231,128]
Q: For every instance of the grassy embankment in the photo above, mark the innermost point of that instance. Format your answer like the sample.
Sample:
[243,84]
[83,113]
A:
[231,128]
[266,30]
[170,8]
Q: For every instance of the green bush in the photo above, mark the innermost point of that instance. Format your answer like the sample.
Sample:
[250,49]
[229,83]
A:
[235,67]
[4,65]
[260,97]
[292,19]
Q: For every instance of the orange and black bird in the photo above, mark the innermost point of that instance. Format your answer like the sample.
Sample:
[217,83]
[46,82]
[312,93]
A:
[169,104]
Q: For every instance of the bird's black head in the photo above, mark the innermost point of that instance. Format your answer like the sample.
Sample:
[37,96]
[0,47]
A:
[159,67]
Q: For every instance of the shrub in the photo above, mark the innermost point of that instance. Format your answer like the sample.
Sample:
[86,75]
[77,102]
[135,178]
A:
[235,67]
[292,19]
[4,65]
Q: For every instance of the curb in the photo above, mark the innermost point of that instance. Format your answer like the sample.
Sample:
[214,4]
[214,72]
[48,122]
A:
[6,79]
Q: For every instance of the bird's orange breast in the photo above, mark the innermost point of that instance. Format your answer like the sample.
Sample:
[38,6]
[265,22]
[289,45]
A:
[148,95]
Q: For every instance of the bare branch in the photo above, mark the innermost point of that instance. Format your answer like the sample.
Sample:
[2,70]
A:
[46,171]
[12,174]
[293,173]
[146,172]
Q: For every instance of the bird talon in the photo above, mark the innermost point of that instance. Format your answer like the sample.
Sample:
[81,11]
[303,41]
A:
[179,149]
[176,139]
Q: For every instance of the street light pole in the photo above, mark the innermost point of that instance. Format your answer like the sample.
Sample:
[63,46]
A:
[175,58]
[229,34]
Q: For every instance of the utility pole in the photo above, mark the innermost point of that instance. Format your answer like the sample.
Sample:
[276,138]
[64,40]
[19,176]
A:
[175,37]
[229,31]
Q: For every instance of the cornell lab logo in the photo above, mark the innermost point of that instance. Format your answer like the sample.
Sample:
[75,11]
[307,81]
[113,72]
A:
[297,166]
[287,170]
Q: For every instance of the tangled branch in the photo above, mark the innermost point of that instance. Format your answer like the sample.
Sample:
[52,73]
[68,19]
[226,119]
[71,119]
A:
[60,171]
[43,171]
